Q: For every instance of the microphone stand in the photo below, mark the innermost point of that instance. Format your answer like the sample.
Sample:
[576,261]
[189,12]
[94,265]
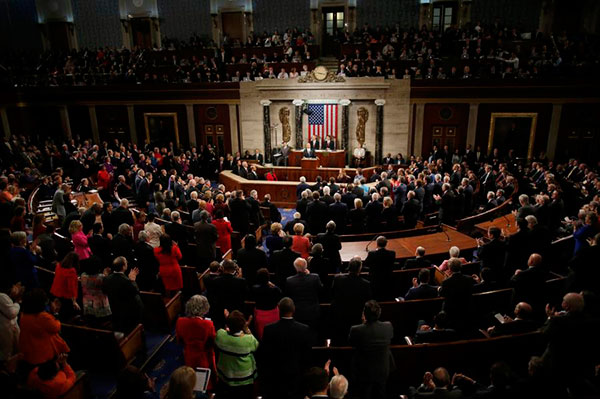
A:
[507,220]
[371,241]
[444,231]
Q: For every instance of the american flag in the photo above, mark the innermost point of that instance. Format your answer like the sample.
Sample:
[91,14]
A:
[323,121]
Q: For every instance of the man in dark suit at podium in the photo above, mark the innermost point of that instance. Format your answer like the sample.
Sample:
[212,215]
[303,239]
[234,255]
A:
[329,144]
[258,157]
[309,152]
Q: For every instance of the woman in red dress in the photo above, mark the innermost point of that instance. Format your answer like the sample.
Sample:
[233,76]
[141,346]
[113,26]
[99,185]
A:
[65,286]
[168,256]
[197,335]
[224,231]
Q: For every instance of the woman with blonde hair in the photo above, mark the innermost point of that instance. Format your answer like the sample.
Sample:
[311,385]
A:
[80,240]
[180,385]
[301,244]
[274,241]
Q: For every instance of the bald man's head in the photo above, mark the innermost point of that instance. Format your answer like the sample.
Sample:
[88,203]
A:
[523,310]
[441,377]
[534,260]
[573,302]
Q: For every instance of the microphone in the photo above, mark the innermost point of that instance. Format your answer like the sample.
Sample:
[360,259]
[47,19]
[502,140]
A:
[507,220]
[371,241]
[444,231]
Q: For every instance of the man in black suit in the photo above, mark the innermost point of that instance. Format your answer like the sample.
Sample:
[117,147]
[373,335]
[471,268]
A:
[349,293]
[284,353]
[177,231]
[304,288]
[281,262]
[525,209]
[289,226]
[89,217]
[419,262]
[229,292]
[373,211]
[206,241]
[250,259]
[540,238]
[517,249]
[339,212]
[411,210]
[446,202]
[148,279]
[521,323]
[123,296]
[258,156]
[530,283]
[256,217]
[457,291]
[122,243]
[309,152]
[316,214]
[274,213]
[381,265]
[331,245]
[421,288]
[329,144]
[99,245]
[252,175]
[122,214]
[239,212]
[372,358]
[244,170]
[492,253]
[300,188]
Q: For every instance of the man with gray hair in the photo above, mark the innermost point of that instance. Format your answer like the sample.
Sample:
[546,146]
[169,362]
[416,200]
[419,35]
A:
[177,231]
[122,242]
[339,213]
[147,263]
[304,288]
[338,386]
[122,214]
[525,209]
[301,187]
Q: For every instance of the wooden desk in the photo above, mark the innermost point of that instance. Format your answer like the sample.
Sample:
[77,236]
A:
[327,159]
[435,244]
[508,224]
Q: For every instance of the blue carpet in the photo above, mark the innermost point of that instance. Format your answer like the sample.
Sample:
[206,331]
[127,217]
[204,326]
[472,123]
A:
[165,362]
[287,214]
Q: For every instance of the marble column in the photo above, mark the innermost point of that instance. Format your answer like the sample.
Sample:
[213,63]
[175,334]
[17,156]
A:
[379,132]
[5,124]
[267,128]
[345,130]
[64,121]
[191,124]
[298,113]
[132,126]
[553,133]
[94,123]
[472,126]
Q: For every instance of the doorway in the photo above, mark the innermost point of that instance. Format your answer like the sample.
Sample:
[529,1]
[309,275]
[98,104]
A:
[141,32]
[334,19]
[233,26]
[444,16]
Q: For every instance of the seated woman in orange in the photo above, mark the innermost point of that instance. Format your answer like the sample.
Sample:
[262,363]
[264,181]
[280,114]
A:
[39,340]
[224,231]
[65,285]
[301,243]
[197,335]
[53,378]
[168,256]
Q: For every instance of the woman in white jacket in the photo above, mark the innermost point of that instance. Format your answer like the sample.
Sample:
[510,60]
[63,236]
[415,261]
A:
[9,328]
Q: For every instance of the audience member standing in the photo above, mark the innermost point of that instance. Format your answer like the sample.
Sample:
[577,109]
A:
[206,240]
[168,256]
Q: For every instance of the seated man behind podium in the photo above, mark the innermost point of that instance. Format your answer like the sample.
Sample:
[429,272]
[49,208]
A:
[309,152]
[419,261]
[329,144]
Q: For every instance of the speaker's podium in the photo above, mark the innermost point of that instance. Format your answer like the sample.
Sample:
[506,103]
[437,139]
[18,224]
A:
[309,163]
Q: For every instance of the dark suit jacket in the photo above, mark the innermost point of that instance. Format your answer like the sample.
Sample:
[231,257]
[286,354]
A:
[250,260]
[514,327]
[357,219]
[372,360]
[100,247]
[309,153]
[434,336]
[120,216]
[227,292]
[491,254]
[281,263]
[349,294]
[299,189]
[125,302]
[530,286]
[304,289]
[240,214]
[256,216]
[206,240]
[122,246]
[417,263]
[178,233]
[381,266]
[148,265]
[316,215]
[457,291]
[284,355]
[339,214]
[423,291]
[331,247]
[411,211]
[301,205]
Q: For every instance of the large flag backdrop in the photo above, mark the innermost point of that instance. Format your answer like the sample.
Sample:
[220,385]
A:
[323,121]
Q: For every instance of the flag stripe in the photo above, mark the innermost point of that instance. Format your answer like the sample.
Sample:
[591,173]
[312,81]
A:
[323,121]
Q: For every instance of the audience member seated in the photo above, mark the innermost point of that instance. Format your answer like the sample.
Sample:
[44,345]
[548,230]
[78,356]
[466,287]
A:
[439,333]
[421,289]
[521,323]
[454,252]
[419,260]
[52,378]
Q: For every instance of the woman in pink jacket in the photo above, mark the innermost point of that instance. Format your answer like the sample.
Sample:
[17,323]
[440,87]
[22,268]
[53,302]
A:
[80,240]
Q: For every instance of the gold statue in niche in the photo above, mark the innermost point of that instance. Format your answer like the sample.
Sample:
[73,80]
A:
[363,117]
[284,118]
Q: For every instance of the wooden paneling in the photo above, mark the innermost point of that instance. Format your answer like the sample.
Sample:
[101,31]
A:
[544,112]
[446,123]
[213,126]
[579,132]
[113,123]
[79,118]
[140,110]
